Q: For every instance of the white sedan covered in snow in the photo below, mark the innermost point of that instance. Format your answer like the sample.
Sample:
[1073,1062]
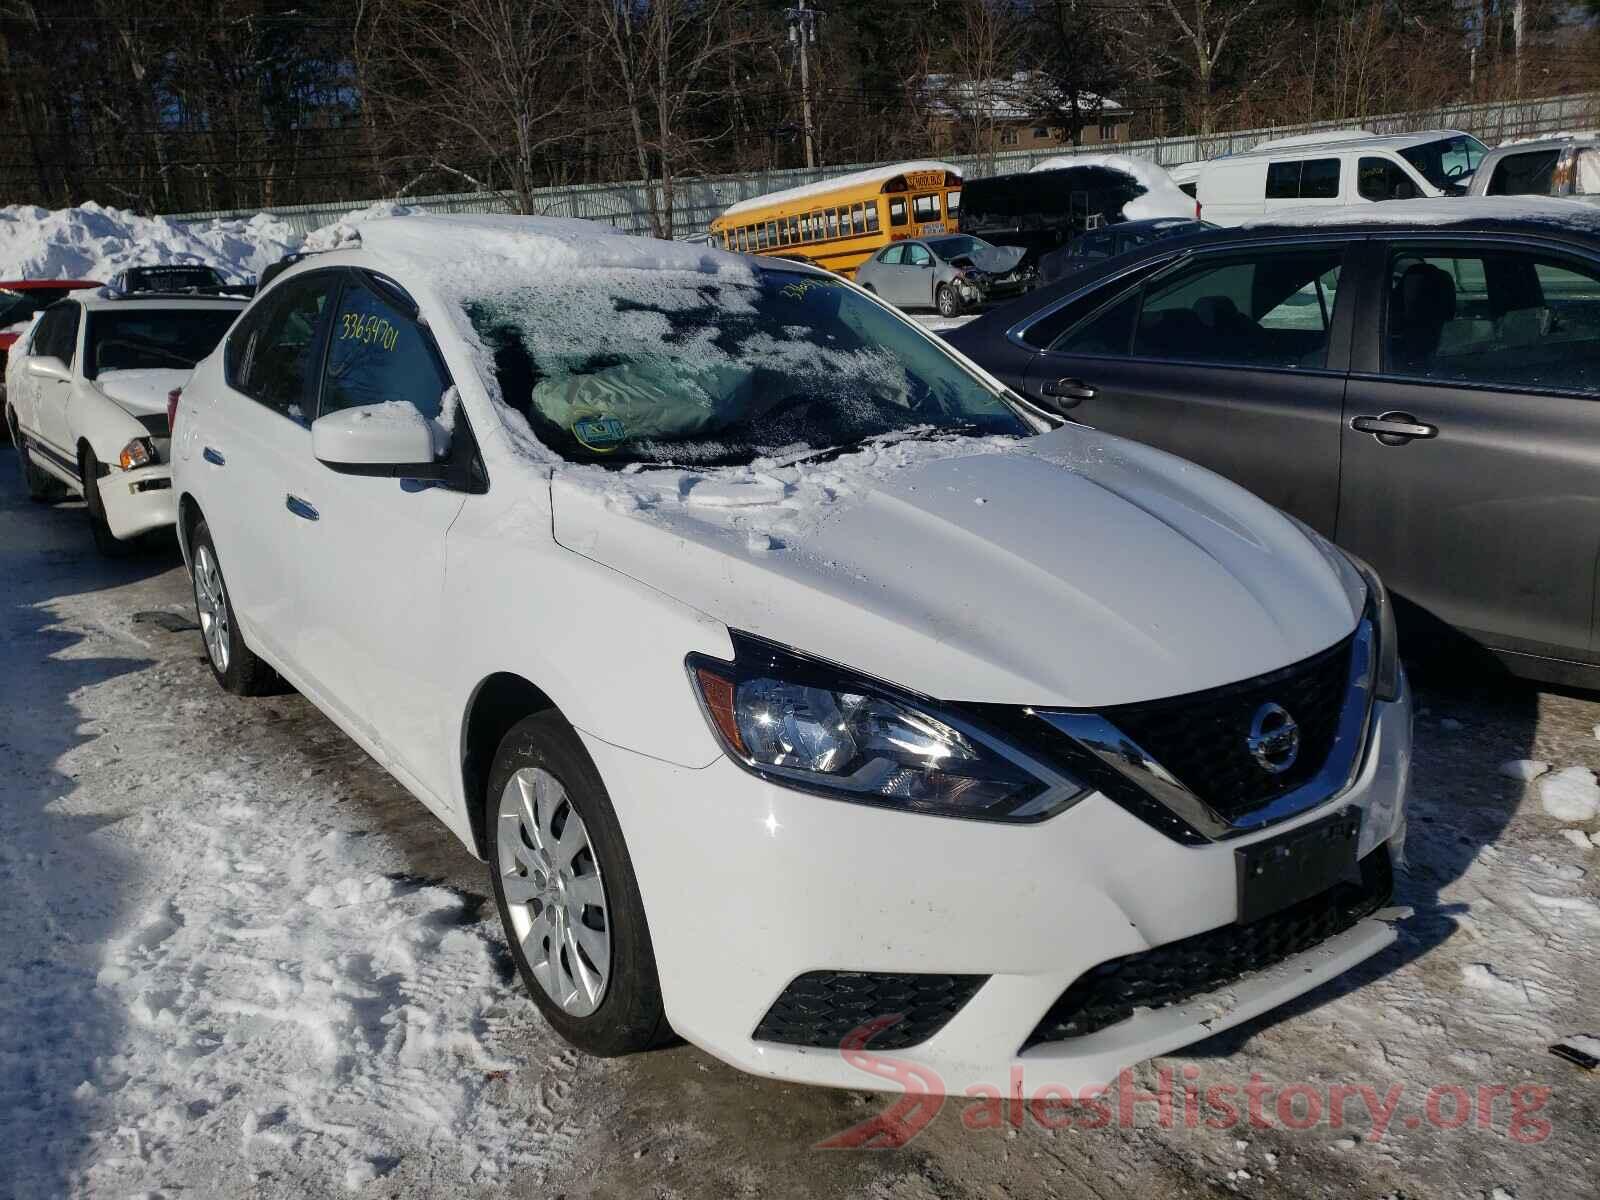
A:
[802,687]
[86,401]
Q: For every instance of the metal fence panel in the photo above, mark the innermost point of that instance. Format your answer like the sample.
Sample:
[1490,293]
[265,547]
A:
[697,200]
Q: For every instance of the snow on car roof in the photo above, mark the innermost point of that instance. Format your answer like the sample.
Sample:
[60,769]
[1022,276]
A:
[1442,210]
[1162,197]
[1347,139]
[823,186]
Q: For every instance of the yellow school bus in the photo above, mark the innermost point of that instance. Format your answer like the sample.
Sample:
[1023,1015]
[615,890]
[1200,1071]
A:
[839,223]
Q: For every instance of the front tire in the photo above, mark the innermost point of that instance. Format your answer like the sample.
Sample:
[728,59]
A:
[946,301]
[104,540]
[234,664]
[567,895]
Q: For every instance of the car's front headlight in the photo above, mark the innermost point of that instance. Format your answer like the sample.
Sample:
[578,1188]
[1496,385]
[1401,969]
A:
[808,724]
[140,452]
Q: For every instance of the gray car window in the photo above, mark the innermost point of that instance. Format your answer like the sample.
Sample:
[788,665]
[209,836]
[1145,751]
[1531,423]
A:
[892,256]
[917,254]
[1513,317]
[1531,174]
[1272,308]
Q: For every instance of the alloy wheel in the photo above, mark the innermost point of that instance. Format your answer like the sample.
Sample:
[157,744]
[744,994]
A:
[553,890]
[212,602]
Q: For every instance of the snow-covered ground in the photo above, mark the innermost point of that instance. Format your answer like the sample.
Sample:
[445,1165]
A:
[240,962]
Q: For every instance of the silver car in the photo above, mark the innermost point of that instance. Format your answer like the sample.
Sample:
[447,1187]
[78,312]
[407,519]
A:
[1564,164]
[950,274]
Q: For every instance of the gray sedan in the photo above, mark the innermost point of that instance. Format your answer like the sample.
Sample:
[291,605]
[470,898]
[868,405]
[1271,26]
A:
[950,274]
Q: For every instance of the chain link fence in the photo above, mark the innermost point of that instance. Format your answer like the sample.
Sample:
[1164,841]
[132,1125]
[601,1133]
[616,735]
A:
[697,200]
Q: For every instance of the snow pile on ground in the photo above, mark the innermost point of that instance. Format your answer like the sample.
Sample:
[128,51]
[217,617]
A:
[1162,197]
[220,983]
[95,242]
[1571,794]
[1525,769]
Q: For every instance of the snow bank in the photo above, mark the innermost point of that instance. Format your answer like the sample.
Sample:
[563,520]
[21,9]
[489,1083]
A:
[1162,197]
[95,242]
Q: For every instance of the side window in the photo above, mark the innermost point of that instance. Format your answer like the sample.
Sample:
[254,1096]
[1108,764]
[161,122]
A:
[917,255]
[377,354]
[952,203]
[273,354]
[58,339]
[1520,318]
[872,216]
[925,208]
[1525,174]
[1283,181]
[1319,179]
[1046,333]
[45,333]
[1265,310]
[892,256]
[1381,179]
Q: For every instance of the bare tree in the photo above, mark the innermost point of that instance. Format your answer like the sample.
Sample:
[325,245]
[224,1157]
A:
[1207,27]
[983,57]
[490,76]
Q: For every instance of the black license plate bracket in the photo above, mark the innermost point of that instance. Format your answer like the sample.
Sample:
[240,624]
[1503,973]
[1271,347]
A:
[1294,866]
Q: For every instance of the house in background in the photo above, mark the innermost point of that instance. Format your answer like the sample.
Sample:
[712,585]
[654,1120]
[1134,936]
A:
[1017,112]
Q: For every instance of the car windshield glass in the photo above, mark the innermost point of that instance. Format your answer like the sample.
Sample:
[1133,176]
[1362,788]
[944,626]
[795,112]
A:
[172,279]
[17,307]
[1448,164]
[153,337]
[954,247]
[632,365]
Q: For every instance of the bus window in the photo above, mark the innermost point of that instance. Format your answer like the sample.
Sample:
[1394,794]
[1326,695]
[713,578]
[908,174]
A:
[744,238]
[872,216]
[769,234]
[833,222]
[794,230]
[925,208]
[897,211]
[952,203]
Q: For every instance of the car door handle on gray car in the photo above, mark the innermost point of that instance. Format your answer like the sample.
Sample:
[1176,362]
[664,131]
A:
[300,508]
[213,457]
[1394,428]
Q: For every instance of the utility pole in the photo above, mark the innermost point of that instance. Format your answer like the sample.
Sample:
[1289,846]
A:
[802,23]
[1516,39]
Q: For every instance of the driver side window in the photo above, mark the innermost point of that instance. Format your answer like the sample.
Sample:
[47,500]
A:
[917,255]
[378,354]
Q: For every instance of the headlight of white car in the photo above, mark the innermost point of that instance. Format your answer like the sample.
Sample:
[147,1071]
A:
[810,725]
[140,452]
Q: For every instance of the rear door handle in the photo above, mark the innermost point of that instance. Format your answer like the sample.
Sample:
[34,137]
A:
[1394,428]
[213,457]
[300,508]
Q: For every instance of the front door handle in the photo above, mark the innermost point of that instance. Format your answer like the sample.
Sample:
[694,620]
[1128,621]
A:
[1067,389]
[213,457]
[1394,428]
[300,508]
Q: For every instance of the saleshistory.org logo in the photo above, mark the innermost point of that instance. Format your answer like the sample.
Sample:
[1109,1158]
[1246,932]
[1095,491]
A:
[1367,1110]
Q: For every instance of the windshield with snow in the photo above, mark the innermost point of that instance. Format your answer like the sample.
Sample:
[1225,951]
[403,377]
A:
[1448,164]
[630,365]
[135,339]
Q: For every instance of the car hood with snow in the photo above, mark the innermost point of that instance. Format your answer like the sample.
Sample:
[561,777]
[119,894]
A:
[1033,571]
[142,391]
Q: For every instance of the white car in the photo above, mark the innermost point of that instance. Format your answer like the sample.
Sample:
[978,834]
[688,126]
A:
[87,393]
[798,682]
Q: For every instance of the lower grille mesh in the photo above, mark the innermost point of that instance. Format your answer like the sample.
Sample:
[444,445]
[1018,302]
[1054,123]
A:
[821,1008]
[1192,966]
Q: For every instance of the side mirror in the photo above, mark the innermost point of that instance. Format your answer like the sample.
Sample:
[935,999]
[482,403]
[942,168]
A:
[392,440]
[49,367]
